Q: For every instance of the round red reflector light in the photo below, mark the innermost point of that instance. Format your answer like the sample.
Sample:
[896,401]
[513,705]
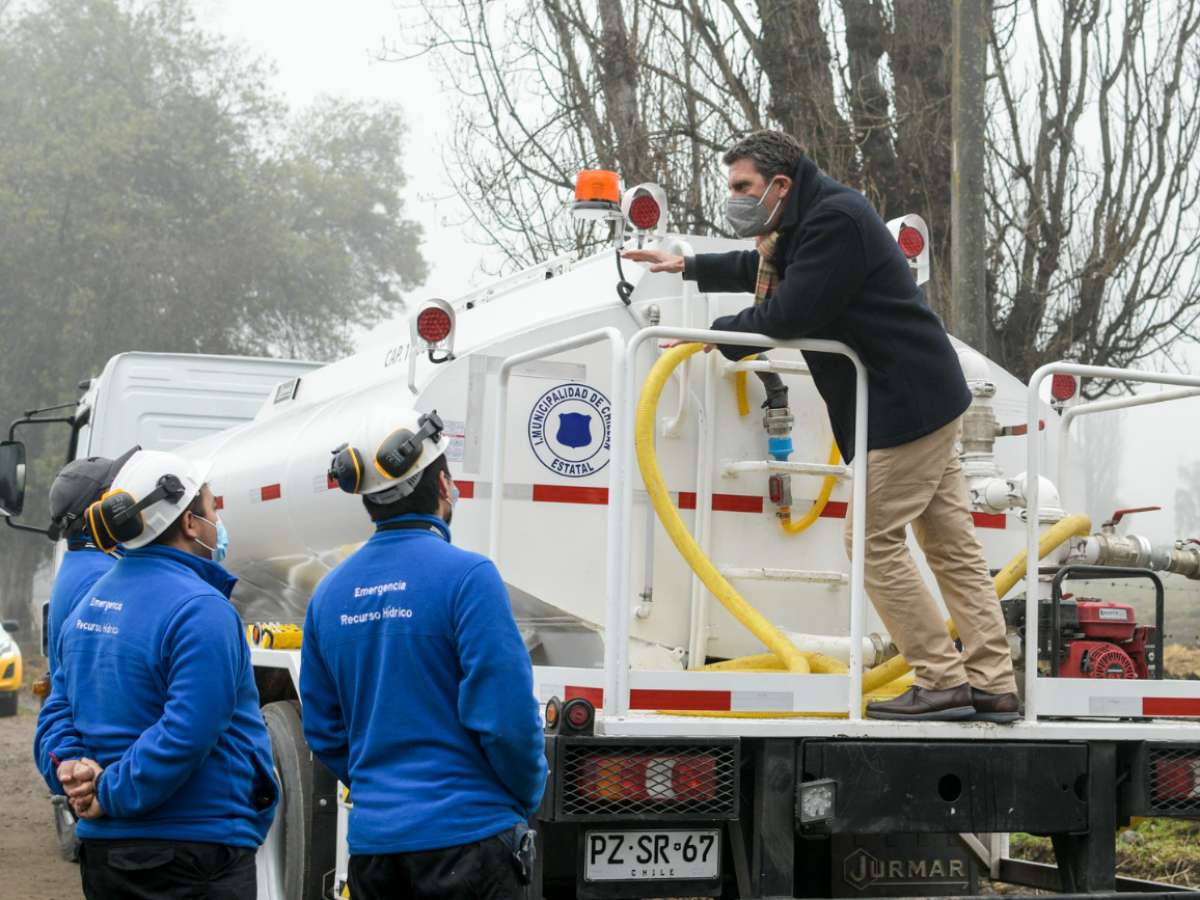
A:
[643,212]
[911,241]
[433,325]
[578,715]
[1063,387]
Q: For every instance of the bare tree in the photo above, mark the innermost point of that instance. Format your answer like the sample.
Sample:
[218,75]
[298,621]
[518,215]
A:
[655,89]
[1093,181]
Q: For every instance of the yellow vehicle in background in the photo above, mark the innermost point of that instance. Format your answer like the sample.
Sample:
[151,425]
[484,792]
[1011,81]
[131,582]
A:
[10,671]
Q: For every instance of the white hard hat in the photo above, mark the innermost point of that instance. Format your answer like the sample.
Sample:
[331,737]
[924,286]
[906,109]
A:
[388,453]
[148,472]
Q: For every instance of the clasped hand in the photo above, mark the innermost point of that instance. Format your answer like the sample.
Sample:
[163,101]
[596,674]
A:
[78,778]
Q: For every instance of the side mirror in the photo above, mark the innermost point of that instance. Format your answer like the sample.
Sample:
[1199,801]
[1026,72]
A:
[11,626]
[12,478]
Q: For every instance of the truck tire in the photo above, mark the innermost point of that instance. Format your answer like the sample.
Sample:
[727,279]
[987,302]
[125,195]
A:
[8,703]
[308,851]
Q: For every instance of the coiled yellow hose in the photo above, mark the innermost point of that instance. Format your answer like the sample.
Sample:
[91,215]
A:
[672,523]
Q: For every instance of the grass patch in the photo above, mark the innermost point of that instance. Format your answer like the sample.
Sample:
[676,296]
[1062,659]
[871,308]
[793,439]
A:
[1166,850]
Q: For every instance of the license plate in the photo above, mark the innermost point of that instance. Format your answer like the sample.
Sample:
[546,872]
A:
[660,854]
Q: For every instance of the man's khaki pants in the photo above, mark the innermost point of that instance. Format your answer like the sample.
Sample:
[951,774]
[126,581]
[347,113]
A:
[921,483]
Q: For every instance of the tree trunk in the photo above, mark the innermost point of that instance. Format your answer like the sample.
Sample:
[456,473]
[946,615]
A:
[618,71]
[795,57]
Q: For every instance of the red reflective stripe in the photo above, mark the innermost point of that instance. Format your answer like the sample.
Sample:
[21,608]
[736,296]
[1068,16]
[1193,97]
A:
[593,695]
[1170,706]
[724,502]
[218,502]
[271,492]
[834,509]
[563,493]
[989,520]
[655,698]
[466,489]
[646,698]
[736,503]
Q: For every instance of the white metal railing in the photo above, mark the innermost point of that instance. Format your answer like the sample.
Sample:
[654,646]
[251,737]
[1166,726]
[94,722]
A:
[617,549]
[1098,406]
[673,424]
[1131,690]
[616,657]
[734,467]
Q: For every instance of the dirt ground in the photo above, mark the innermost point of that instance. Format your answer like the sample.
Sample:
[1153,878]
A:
[30,867]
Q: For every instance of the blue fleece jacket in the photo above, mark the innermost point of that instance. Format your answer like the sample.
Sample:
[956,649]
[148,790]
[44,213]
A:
[155,683]
[418,693]
[82,566]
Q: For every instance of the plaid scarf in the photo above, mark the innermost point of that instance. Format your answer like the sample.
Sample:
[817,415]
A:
[768,275]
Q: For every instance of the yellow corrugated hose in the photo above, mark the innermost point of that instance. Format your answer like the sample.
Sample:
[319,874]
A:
[818,505]
[672,523]
[739,388]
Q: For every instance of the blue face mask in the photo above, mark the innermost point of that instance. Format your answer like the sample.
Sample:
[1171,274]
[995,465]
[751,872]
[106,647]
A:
[218,552]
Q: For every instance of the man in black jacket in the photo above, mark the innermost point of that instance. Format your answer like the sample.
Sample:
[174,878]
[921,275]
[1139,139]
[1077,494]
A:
[827,267]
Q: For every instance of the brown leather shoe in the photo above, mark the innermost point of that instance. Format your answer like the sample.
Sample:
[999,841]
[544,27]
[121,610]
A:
[1002,708]
[922,704]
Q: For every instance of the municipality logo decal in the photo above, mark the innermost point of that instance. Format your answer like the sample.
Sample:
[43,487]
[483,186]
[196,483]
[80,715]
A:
[570,430]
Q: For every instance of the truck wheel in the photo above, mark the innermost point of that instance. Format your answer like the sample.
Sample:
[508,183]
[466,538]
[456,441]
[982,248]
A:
[64,828]
[8,703]
[295,857]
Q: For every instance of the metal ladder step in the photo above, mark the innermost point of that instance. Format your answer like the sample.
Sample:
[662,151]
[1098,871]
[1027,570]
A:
[762,573]
[732,468]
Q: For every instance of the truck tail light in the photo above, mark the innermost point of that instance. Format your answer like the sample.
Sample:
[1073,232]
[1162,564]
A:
[1175,779]
[1063,387]
[432,330]
[433,325]
[644,212]
[639,777]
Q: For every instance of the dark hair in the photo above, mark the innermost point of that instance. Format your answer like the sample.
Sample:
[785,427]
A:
[423,499]
[772,152]
[171,532]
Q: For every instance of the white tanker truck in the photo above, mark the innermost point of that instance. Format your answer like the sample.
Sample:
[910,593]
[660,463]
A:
[677,571]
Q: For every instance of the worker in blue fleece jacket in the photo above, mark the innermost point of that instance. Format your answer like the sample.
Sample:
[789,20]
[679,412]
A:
[417,690]
[80,483]
[152,727]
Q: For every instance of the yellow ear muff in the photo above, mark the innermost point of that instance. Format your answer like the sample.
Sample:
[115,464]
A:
[98,529]
[346,469]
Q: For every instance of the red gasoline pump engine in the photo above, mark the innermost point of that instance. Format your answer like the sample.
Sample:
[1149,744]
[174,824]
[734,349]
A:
[1104,641]
[1089,638]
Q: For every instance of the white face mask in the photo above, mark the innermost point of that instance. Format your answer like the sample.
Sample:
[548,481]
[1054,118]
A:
[218,552]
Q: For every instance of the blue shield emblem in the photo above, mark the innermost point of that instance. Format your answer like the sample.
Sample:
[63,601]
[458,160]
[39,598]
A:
[574,430]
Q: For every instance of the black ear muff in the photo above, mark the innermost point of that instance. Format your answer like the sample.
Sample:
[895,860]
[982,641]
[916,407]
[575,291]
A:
[116,518]
[346,469]
[401,449]
[113,520]
[397,454]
